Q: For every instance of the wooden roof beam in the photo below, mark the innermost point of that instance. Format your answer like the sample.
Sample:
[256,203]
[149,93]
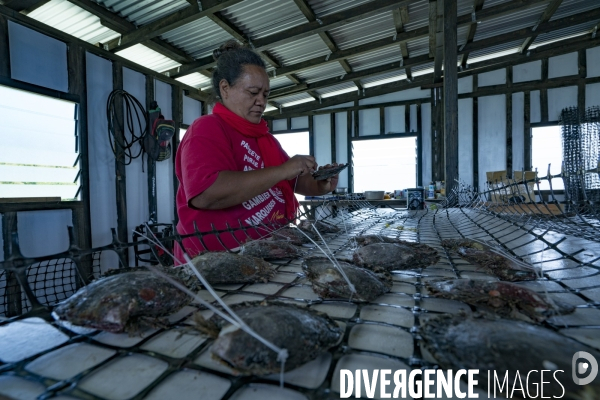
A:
[473,46]
[438,7]
[400,16]
[477,6]
[553,49]
[548,13]
[24,6]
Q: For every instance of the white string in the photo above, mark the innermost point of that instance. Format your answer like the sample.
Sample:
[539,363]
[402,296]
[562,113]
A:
[282,354]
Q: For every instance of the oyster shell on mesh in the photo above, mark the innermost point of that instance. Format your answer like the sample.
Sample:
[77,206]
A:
[501,345]
[394,254]
[326,173]
[328,282]
[271,249]
[304,333]
[492,260]
[501,298]
[322,226]
[294,236]
[123,302]
[223,267]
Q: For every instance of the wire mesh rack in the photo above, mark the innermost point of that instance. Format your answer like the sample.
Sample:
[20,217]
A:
[49,359]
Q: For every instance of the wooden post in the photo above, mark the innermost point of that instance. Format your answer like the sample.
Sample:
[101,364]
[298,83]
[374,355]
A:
[177,113]
[509,124]
[582,60]
[122,231]
[333,143]
[544,91]
[4,48]
[382,120]
[475,135]
[527,133]
[407,118]
[13,291]
[311,135]
[450,94]
[349,148]
[356,130]
[81,217]
[437,135]
[151,164]
[419,147]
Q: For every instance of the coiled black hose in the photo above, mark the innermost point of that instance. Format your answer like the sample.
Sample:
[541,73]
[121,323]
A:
[132,106]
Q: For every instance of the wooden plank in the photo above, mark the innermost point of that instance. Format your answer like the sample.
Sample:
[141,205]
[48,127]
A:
[548,13]
[509,128]
[382,120]
[177,115]
[527,133]
[477,6]
[437,131]
[450,94]
[356,115]
[121,186]
[4,48]
[311,135]
[349,151]
[5,200]
[544,92]
[407,118]
[432,27]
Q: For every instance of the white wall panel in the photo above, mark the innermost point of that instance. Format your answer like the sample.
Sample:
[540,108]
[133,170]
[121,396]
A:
[492,135]
[101,158]
[527,72]
[465,85]
[368,122]
[43,233]
[560,98]
[192,109]
[465,140]
[37,58]
[592,95]
[518,129]
[137,179]
[426,141]
[322,138]
[497,77]
[165,197]
[394,119]
[409,94]
[300,123]
[536,111]
[279,125]
[564,65]
[593,62]
[341,145]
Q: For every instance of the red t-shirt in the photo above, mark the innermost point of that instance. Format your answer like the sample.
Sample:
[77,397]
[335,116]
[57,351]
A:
[211,145]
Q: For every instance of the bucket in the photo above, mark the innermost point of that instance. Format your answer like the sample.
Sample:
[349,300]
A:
[414,199]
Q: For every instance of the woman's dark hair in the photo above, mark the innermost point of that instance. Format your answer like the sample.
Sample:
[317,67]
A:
[231,58]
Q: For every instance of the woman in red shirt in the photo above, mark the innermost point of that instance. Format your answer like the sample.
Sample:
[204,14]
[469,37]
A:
[231,169]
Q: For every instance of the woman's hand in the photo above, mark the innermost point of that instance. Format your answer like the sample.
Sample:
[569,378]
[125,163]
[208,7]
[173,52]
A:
[309,186]
[299,165]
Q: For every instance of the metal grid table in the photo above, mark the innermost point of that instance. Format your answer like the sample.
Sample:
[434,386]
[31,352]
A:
[51,360]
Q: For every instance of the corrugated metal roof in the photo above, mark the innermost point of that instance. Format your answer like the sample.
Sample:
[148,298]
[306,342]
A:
[198,38]
[495,51]
[148,58]
[260,18]
[422,69]
[366,30]
[71,19]
[371,59]
[492,3]
[142,12]
[418,15]
[294,99]
[280,82]
[562,34]
[196,80]
[300,50]
[322,8]
[510,22]
[418,47]
[570,7]
[335,90]
[321,72]
[382,79]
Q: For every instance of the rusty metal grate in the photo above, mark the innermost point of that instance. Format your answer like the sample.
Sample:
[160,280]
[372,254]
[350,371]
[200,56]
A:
[380,334]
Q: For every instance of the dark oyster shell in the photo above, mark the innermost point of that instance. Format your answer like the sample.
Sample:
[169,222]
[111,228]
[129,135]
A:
[221,267]
[271,249]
